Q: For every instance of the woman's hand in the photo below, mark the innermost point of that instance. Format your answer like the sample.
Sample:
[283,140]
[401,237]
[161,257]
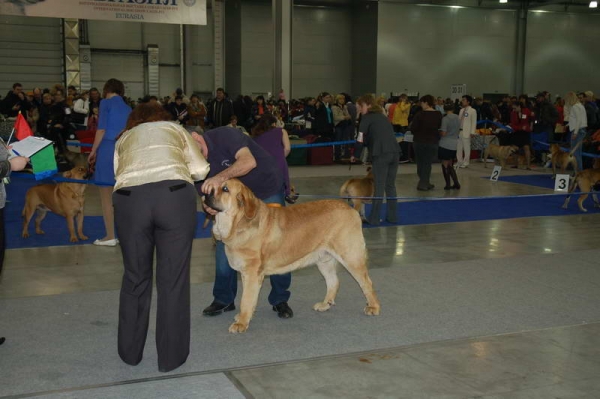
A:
[92,157]
[18,163]
[208,209]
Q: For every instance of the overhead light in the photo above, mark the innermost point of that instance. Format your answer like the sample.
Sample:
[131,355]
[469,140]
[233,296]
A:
[593,4]
[503,1]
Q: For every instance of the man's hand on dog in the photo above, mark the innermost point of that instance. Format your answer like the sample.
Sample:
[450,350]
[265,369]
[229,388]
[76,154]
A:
[212,184]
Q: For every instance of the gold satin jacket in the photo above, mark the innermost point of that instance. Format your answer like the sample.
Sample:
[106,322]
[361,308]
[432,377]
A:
[157,151]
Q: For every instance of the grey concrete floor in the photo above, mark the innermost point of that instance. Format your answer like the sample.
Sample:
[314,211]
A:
[557,362]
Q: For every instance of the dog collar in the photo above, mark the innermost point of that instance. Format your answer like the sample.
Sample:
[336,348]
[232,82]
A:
[274,205]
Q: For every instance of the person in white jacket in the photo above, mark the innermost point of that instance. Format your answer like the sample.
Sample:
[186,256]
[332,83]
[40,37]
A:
[81,110]
[468,124]
[577,125]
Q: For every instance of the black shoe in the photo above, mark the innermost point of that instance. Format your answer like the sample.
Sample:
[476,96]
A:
[430,187]
[217,308]
[422,189]
[456,187]
[448,187]
[291,200]
[283,310]
[170,368]
[2,339]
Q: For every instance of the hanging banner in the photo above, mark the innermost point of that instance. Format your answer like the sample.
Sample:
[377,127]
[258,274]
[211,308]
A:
[187,12]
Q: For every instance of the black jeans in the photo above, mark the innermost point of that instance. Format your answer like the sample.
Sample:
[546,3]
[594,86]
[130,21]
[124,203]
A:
[385,169]
[425,154]
[157,216]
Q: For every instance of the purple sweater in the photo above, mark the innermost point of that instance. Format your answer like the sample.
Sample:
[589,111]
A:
[272,142]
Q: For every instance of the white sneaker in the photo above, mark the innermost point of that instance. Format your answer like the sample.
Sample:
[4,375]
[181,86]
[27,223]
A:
[464,166]
[107,243]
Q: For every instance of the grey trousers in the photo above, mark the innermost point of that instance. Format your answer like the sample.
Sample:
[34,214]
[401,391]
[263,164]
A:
[385,168]
[159,216]
[425,154]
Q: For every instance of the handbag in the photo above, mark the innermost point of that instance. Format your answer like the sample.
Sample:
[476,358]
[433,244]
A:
[77,118]
[559,128]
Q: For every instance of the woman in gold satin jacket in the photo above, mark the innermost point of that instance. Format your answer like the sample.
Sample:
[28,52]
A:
[156,163]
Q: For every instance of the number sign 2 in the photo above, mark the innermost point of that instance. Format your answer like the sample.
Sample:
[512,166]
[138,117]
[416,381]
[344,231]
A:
[496,173]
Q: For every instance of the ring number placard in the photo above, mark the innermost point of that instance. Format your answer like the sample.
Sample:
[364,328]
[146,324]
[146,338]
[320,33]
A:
[496,173]
[561,183]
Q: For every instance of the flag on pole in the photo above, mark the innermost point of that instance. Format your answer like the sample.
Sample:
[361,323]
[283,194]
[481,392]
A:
[22,128]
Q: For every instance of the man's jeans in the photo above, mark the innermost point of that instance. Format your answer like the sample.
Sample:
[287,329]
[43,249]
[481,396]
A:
[225,287]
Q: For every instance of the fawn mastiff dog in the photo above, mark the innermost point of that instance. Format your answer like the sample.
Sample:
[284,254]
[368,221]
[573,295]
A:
[499,152]
[361,189]
[586,180]
[65,199]
[261,241]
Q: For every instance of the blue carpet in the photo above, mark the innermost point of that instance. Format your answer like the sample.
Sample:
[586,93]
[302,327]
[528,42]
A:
[467,209]
[538,180]
[409,213]
[54,226]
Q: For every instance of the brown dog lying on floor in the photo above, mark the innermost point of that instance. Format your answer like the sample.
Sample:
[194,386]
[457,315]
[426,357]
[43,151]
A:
[359,187]
[586,180]
[499,152]
[563,159]
[65,199]
[261,241]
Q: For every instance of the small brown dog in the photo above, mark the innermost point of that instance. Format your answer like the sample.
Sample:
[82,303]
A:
[586,180]
[363,188]
[65,199]
[499,152]
[563,159]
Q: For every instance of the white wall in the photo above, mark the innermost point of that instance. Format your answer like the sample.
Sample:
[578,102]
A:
[130,67]
[136,36]
[30,52]
[203,51]
[322,51]
[427,49]
[562,53]
[258,48]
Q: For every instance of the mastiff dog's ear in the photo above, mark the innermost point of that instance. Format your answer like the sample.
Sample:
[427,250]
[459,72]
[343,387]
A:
[248,202]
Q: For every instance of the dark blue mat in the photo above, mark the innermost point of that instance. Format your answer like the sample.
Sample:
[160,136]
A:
[53,225]
[409,213]
[538,180]
[466,210]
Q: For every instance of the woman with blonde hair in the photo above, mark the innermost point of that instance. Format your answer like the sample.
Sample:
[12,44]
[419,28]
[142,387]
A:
[343,126]
[577,125]
[379,138]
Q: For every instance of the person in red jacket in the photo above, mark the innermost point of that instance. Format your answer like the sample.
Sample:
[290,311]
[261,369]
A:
[521,121]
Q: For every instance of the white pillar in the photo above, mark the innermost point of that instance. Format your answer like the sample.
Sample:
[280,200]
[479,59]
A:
[219,25]
[282,31]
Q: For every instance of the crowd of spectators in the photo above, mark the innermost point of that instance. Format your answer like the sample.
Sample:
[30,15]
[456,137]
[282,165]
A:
[56,113]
